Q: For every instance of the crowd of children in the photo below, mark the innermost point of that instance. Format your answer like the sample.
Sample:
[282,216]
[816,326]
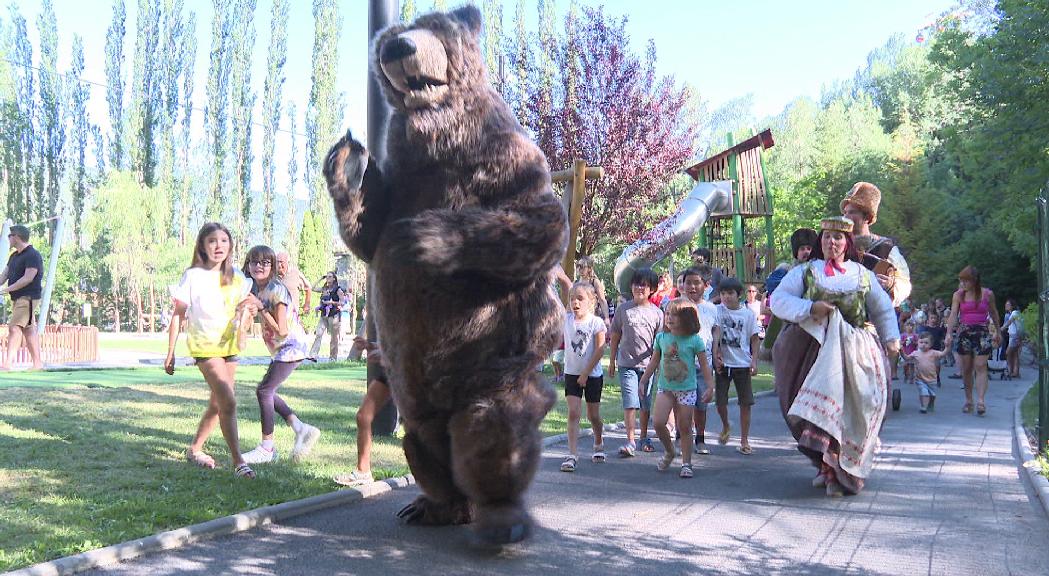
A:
[673,353]
[672,348]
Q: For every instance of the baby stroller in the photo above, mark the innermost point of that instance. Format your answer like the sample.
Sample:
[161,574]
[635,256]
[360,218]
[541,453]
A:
[996,363]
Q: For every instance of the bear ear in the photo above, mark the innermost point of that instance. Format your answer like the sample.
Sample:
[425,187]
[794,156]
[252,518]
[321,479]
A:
[469,16]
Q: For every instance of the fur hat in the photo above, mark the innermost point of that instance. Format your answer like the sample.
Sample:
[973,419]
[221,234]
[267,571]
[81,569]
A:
[802,237]
[866,196]
[837,224]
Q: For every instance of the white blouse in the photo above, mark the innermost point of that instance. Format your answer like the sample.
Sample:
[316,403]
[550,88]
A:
[788,303]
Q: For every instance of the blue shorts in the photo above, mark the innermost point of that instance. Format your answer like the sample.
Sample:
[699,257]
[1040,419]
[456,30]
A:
[628,387]
[925,388]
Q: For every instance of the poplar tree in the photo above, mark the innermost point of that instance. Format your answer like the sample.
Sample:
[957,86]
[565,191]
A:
[322,115]
[272,98]
[492,14]
[81,133]
[242,101]
[189,57]
[115,84]
[407,11]
[20,143]
[52,113]
[216,113]
[292,231]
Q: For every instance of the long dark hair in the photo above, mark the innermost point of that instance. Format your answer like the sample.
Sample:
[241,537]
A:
[971,274]
[256,254]
[850,248]
[200,256]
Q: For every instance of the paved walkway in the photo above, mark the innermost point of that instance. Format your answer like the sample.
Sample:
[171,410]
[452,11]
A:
[946,497]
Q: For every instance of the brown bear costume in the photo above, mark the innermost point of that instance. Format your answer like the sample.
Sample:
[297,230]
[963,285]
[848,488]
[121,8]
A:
[462,231]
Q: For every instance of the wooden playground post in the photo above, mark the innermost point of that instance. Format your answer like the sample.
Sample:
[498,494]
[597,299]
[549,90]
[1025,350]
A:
[573,203]
[737,218]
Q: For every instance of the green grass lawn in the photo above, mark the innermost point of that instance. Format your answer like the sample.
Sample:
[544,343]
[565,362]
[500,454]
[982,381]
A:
[158,344]
[93,458]
[1029,415]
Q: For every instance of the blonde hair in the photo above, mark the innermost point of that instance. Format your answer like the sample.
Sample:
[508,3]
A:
[587,289]
[686,313]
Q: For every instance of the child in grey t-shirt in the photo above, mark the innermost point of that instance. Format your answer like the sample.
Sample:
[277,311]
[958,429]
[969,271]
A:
[632,334]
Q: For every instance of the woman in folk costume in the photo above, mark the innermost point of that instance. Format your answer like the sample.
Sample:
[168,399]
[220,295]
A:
[831,370]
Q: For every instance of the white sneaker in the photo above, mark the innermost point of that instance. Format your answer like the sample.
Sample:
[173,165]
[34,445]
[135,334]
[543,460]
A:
[305,438]
[354,478]
[260,456]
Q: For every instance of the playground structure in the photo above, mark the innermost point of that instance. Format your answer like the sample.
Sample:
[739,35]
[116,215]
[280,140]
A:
[725,205]
[58,344]
[575,189]
[740,239]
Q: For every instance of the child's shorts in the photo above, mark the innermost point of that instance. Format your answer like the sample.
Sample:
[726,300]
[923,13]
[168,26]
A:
[683,397]
[633,397]
[592,392]
[741,378]
[925,388]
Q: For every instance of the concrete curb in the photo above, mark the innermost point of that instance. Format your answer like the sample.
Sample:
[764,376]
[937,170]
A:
[217,527]
[1027,460]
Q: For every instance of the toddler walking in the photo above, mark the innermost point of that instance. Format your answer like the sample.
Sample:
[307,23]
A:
[677,351]
[926,360]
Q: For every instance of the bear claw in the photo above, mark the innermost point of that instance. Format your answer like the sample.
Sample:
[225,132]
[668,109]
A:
[429,513]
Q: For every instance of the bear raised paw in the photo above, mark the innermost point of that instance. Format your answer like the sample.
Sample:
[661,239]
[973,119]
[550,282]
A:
[462,232]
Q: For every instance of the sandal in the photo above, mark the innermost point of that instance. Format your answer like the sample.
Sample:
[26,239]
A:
[967,408]
[723,437]
[981,409]
[569,464]
[745,450]
[626,450]
[599,454]
[646,445]
[686,471]
[244,471]
[665,461]
[200,459]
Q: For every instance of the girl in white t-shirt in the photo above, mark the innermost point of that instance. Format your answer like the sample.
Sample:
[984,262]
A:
[584,335]
[207,300]
[286,341]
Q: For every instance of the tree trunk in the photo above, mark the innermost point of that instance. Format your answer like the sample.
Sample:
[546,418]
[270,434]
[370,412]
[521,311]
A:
[116,310]
[137,297]
[152,308]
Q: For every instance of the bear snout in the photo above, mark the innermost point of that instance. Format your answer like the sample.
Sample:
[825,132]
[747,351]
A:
[398,48]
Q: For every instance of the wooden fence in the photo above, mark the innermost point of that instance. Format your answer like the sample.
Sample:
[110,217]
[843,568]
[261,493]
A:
[59,344]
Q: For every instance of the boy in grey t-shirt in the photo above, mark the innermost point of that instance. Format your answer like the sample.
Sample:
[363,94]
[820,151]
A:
[632,335]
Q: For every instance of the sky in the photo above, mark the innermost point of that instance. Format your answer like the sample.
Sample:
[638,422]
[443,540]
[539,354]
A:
[776,50]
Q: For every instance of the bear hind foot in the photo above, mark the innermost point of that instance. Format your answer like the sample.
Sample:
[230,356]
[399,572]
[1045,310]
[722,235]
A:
[502,525]
[426,512]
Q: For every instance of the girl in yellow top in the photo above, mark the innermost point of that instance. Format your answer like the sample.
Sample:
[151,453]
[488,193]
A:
[209,297]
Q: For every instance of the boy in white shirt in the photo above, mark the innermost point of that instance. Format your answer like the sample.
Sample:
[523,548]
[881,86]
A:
[736,360]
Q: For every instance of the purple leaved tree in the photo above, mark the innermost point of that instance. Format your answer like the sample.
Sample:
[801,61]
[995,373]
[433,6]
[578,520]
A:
[584,94]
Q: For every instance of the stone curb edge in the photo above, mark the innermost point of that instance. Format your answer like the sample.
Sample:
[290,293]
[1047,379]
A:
[1026,455]
[218,527]
[242,521]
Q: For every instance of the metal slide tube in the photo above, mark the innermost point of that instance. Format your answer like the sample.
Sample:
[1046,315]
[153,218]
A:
[706,198]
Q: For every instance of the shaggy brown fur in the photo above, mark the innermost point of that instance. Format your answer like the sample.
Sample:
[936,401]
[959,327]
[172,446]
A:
[462,231]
